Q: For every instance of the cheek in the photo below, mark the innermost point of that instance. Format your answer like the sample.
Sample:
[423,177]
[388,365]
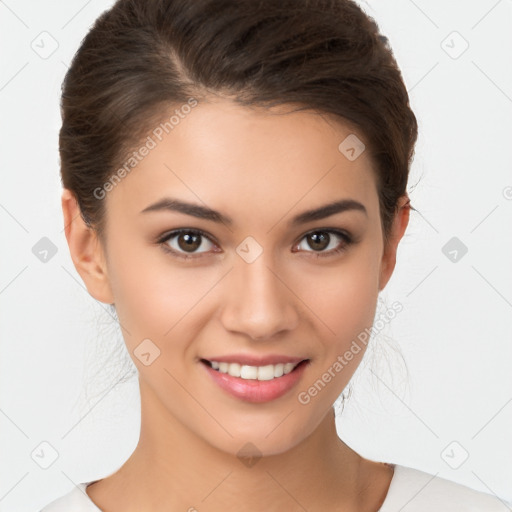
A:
[352,305]
[155,297]
[346,303]
[344,297]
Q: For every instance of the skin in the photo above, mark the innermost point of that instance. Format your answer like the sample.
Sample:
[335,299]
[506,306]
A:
[261,168]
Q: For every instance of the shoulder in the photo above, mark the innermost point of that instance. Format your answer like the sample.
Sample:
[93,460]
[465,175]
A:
[76,500]
[412,490]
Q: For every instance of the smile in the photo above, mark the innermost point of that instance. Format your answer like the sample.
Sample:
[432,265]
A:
[267,372]
[255,384]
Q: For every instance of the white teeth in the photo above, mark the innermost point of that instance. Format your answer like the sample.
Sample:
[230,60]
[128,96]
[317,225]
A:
[248,372]
[267,372]
[234,369]
[288,367]
[279,370]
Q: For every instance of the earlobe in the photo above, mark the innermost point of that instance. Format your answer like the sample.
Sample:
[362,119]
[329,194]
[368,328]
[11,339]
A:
[86,250]
[400,222]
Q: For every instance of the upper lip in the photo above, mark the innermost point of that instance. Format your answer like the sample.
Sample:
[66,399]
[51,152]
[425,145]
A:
[252,360]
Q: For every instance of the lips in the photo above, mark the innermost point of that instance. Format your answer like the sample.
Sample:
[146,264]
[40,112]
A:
[255,379]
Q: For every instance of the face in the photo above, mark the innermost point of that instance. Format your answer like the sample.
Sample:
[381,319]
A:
[258,289]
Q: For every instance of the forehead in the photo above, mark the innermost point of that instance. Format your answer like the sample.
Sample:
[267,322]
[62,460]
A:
[246,161]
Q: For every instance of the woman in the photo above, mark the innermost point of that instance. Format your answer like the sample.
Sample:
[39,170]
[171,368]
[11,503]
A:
[235,179]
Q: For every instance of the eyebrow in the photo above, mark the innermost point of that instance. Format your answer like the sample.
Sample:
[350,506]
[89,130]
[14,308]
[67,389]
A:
[203,212]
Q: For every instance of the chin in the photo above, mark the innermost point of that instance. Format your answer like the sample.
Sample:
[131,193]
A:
[260,440]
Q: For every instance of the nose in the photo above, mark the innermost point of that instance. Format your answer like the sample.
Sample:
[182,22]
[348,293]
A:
[258,304]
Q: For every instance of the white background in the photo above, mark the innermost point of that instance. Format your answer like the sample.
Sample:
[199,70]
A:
[455,331]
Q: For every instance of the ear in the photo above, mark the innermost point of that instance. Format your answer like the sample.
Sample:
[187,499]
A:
[86,250]
[399,226]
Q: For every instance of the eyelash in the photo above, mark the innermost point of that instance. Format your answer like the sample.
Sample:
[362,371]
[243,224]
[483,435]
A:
[347,240]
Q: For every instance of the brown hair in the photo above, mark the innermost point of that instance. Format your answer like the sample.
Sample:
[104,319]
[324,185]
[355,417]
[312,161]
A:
[143,56]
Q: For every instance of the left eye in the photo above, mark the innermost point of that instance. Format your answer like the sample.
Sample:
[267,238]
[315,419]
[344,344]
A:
[324,241]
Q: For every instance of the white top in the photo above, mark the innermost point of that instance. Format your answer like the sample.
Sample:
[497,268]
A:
[411,490]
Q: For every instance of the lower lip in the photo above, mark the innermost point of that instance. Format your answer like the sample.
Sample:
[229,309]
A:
[253,390]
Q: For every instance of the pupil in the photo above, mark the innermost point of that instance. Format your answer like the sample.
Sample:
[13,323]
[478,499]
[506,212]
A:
[192,241]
